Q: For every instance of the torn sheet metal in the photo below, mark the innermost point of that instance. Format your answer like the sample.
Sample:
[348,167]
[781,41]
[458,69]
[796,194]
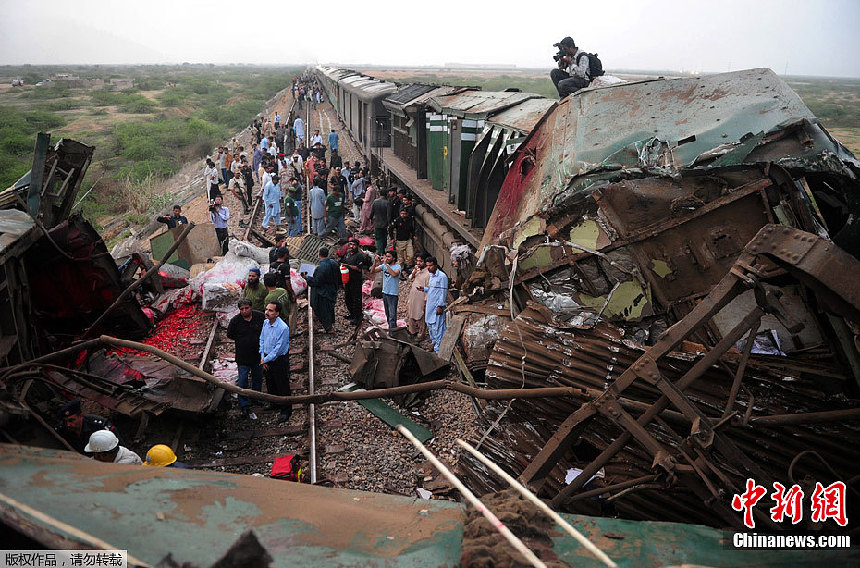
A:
[537,351]
[72,281]
[474,104]
[383,362]
[658,128]
[158,381]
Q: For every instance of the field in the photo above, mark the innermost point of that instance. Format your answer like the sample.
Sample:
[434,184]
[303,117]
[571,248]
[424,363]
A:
[172,115]
[177,113]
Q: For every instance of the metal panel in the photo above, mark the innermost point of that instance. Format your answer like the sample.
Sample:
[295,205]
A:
[476,104]
[659,127]
[197,515]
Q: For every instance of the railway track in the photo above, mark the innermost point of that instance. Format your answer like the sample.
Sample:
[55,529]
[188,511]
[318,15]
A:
[246,446]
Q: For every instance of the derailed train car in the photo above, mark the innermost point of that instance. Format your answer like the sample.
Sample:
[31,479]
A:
[688,243]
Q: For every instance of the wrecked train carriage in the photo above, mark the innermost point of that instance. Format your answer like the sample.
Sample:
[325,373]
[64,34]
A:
[58,274]
[58,279]
[622,211]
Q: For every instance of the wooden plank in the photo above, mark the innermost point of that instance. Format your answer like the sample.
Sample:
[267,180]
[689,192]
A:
[451,337]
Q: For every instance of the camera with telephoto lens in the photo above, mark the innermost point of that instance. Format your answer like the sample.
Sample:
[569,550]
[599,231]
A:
[561,53]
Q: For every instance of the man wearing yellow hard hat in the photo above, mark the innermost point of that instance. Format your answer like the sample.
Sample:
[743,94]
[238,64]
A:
[162,456]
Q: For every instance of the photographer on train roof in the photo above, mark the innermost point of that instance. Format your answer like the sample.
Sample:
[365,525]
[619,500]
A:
[573,72]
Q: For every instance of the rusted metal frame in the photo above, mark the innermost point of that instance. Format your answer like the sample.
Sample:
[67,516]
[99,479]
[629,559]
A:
[139,282]
[615,487]
[698,463]
[612,410]
[74,349]
[807,417]
[739,374]
[684,382]
[560,442]
[572,256]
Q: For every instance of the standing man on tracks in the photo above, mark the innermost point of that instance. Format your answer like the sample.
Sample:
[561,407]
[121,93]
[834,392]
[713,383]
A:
[356,195]
[219,216]
[416,301]
[316,197]
[379,211]
[256,159]
[332,141]
[238,189]
[390,286]
[275,355]
[245,329]
[299,127]
[324,284]
[354,260]
[334,205]
[404,233]
[437,298]
[272,200]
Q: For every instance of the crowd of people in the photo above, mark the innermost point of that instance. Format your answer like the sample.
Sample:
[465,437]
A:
[288,173]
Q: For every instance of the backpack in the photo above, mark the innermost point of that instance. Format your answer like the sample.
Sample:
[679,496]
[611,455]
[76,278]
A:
[287,467]
[595,66]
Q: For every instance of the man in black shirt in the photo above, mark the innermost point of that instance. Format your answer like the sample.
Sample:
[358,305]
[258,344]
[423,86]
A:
[76,427]
[404,232]
[176,219]
[354,260]
[245,330]
[280,242]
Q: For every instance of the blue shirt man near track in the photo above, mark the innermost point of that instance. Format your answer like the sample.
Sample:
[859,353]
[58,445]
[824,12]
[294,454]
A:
[390,286]
[437,297]
[275,356]
[332,140]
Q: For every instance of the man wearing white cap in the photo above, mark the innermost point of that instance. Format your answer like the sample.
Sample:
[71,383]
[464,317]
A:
[104,445]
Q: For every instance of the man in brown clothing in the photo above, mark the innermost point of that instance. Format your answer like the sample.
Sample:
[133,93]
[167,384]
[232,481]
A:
[415,302]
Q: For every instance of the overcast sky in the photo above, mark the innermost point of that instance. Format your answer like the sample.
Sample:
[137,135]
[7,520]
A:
[817,37]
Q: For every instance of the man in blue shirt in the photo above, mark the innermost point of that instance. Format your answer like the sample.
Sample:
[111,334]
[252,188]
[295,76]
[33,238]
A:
[272,200]
[219,216]
[332,140]
[275,357]
[390,286]
[437,297]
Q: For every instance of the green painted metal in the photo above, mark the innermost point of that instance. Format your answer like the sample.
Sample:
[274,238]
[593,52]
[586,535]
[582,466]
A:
[437,146]
[384,412]
[197,515]
[636,544]
[161,244]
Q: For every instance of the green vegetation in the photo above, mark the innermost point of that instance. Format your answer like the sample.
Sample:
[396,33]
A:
[174,114]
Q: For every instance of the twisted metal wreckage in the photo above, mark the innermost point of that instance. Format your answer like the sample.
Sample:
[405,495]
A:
[672,262]
[684,253]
